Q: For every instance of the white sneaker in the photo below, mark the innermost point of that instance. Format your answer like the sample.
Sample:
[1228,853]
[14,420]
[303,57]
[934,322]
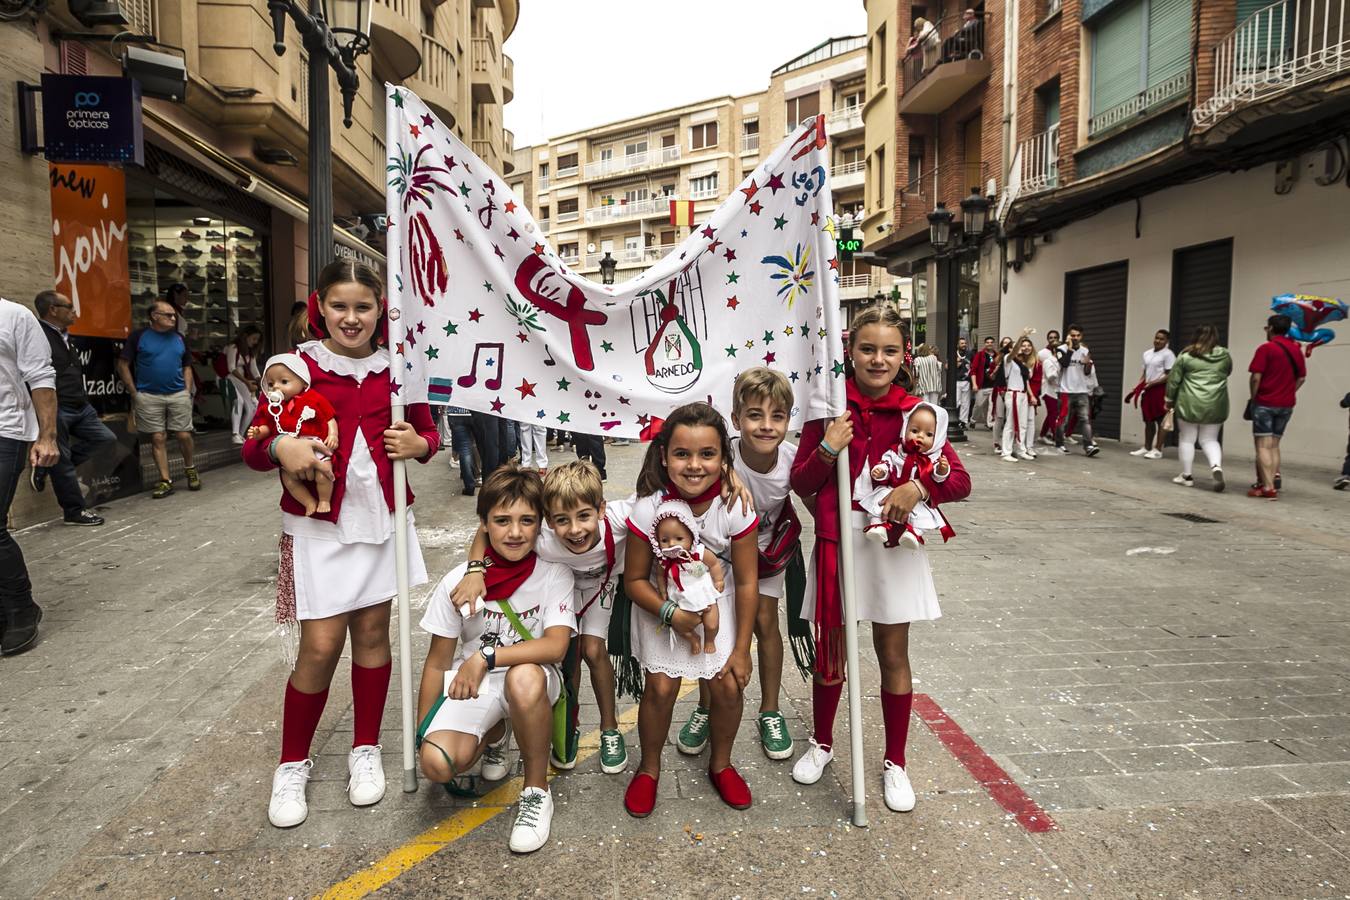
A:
[909,541]
[1008,457]
[899,792]
[1217,474]
[534,816]
[1071,439]
[1025,454]
[496,758]
[288,807]
[1153,454]
[812,764]
[365,771]
[1184,480]
[1048,441]
[237,438]
[1142,451]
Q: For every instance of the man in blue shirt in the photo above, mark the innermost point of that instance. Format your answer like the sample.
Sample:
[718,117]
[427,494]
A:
[161,397]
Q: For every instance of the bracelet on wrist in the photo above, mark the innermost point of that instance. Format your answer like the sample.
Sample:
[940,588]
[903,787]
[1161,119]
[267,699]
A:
[668,610]
[272,449]
[476,565]
[827,448]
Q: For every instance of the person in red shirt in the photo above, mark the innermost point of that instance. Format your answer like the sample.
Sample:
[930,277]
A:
[982,368]
[1277,372]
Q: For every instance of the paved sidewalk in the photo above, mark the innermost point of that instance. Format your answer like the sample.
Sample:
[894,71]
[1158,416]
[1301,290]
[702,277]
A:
[1173,693]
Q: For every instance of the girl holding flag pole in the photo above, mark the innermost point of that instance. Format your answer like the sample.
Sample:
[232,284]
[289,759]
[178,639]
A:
[338,568]
[894,586]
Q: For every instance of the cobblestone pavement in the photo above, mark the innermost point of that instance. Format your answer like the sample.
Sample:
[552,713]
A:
[1171,692]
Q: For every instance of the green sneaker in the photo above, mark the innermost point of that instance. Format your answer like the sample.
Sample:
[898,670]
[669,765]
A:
[613,753]
[773,735]
[694,735]
[162,490]
[194,480]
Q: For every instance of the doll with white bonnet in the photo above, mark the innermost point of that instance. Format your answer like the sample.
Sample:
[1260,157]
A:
[922,437]
[297,410]
[687,575]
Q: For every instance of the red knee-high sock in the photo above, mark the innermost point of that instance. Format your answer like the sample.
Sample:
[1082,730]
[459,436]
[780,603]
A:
[300,719]
[824,704]
[370,688]
[895,715]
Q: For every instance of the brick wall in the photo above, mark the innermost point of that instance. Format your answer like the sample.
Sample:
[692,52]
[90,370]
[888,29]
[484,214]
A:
[1213,20]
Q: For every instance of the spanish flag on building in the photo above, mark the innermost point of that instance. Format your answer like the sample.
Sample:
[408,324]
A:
[682,213]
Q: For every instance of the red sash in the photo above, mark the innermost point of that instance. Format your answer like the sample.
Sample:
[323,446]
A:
[609,567]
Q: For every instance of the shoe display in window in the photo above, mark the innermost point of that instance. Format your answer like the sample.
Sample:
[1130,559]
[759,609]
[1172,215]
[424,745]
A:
[188,234]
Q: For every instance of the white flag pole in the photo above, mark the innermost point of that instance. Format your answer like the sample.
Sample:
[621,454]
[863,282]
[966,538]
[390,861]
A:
[835,337]
[394,292]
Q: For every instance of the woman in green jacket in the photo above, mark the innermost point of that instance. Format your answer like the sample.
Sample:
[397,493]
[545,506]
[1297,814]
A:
[1197,390]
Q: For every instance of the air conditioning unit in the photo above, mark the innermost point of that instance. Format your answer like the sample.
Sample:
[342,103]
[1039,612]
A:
[92,13]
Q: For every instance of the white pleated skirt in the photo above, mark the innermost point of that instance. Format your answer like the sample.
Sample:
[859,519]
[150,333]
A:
[891,584]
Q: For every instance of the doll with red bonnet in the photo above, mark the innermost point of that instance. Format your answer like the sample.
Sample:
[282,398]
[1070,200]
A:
[297,410]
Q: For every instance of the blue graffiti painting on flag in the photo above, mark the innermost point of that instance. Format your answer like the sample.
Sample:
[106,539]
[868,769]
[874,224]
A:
[486,315]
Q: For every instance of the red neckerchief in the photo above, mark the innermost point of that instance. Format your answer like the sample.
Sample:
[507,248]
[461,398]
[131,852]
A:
[712,493]
[503,577]
[892,401]
[609,567]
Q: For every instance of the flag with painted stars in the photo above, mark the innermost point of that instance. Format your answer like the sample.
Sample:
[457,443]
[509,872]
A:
[485,314]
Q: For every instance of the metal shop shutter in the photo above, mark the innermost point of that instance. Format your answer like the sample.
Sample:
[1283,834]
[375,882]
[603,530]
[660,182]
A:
[1094,300]
[1202,282]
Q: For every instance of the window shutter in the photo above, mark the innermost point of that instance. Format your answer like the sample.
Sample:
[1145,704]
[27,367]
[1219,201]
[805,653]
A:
[1169,39]
[1116,46]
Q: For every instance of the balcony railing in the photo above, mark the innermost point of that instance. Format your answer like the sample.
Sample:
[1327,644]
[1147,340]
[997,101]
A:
[438,66]
[648,206]
[484,54]
[543,224]
[749,143]
[705,194]
[542,183]
[855,281]
[1276,49]
[633,162]
[508,140]
[952,39]
[845,220]
[140,16]
[1141,104]
[567,172]
[564,217]
[628,257]
[848,118]
[848,168]
[482,149]
[1039,156]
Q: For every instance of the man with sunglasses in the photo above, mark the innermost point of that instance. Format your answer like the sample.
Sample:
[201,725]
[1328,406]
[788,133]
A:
[161,397]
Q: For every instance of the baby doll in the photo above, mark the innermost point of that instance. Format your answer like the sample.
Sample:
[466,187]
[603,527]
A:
[922,438]
[299,411]
[687,575]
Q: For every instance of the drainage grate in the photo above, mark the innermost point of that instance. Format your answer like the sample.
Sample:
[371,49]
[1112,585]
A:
[1192,517]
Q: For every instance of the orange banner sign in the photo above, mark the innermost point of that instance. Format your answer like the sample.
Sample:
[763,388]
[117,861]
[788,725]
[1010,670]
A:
[89,247]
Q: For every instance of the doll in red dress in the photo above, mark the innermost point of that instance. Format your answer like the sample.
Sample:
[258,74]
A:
[297,410]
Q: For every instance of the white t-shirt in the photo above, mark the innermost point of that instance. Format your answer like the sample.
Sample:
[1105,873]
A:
[1072,379]
[1012,372]
[1049,372]
[25,364]
[1158,363]
[588,569]
[769,489]
[542,602]
[717,527]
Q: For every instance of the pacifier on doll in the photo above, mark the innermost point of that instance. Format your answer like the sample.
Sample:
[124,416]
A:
[275,398]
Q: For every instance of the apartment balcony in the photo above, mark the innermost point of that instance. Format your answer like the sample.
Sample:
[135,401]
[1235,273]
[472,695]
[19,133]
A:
[565,173]
[847,175]
[508,152]
[543,224]
[508,78]
[951,183]
[944,65]
[855,287]
[633,162]
[709,194]
[648,208]
[396,37]
[750,143]
[845,120]
[486,77]
[1141,104]
[435,81]
[1290,46]
[541,184]
[564,218]
[844,220]
[630,257]
[1038,169]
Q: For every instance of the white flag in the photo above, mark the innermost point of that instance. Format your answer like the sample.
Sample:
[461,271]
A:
[485,315]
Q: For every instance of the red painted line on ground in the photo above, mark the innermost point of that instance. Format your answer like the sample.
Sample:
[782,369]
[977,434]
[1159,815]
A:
[988,773]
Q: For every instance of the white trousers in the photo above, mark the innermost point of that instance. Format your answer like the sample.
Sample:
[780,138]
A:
[1017,436]
[984,407]
[245,405]
[533,446]
[1208,436]
[963,400]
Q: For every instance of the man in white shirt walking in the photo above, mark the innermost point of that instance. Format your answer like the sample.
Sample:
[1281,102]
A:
[27,435]
[1151,394]
[1049,386]
[1075,367]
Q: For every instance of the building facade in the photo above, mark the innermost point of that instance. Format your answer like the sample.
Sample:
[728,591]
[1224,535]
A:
[607,189]
[1153,158]
[219,203]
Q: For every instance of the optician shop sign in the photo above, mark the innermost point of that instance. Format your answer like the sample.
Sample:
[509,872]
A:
[92,119]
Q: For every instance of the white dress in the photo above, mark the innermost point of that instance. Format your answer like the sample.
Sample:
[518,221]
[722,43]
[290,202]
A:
[891,584]
[717,527]
[349,564]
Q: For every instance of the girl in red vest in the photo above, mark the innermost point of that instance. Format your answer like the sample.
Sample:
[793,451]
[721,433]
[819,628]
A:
[337,568]
[894,586]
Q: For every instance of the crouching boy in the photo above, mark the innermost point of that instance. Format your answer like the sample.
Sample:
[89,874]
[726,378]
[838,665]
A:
[497,658]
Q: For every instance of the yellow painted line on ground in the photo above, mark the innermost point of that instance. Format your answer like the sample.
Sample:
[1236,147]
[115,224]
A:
[452,828]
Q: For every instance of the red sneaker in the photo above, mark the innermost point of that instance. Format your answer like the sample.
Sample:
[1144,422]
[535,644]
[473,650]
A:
[731,787]
[1261,491]
[640,798]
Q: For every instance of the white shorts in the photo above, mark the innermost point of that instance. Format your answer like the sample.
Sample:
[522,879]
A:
[773,585]
[478,715]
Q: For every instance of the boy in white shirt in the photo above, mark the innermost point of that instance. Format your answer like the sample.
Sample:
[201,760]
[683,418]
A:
[1075,374]
[497,655]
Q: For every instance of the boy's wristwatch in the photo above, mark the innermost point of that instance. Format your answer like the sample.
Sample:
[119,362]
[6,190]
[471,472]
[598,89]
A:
[489,655]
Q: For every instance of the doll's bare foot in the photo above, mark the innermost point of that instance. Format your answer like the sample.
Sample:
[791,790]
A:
[695,645]
[323,507]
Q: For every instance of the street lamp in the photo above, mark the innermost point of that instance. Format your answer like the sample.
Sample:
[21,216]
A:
[940,227]
[974,214]
[607,266]
[335,33]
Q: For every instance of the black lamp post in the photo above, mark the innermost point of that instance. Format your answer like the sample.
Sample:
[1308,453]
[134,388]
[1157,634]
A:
[946,290]
[974,214]
[607,266]
[940,227]
[335,33]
